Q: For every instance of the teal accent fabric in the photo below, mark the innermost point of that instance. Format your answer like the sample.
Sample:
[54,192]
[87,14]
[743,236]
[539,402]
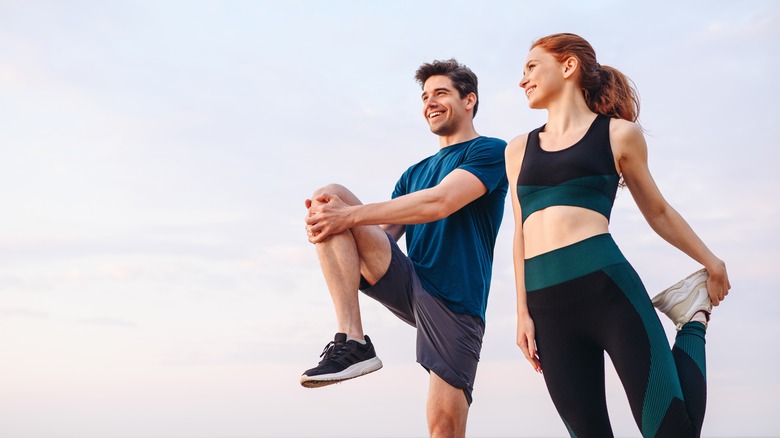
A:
[691,340]
[568,428]
[572,261]
[663,383]
[596,192]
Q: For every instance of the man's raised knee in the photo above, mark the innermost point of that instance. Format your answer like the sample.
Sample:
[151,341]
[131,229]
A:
[331,189]
[338,190]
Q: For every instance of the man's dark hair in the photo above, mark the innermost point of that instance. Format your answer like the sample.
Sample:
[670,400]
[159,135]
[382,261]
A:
[464,80]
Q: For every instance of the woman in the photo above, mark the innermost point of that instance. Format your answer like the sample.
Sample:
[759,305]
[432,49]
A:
[577,296]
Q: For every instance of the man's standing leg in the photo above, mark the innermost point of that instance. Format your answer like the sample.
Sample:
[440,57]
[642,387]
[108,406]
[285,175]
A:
[447,409]
[344,257]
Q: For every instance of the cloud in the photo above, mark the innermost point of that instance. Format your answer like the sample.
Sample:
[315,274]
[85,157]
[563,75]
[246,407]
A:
[749,24]
[108,321]
[23,313]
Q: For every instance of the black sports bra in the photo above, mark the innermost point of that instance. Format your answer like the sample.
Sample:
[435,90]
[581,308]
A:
[582,175]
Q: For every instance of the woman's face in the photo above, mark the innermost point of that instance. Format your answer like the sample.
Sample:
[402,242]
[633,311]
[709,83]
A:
[542,78]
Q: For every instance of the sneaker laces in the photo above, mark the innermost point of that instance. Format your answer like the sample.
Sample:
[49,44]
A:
[327,351]
[333,350]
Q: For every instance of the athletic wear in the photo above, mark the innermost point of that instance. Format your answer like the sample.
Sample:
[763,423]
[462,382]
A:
[685,298]
[586,299]
[448,343]
[441,288]
[454,256]
[582,175]
[342,360]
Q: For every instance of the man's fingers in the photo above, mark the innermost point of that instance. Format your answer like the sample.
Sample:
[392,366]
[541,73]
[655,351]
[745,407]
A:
[324,198]
[318,237]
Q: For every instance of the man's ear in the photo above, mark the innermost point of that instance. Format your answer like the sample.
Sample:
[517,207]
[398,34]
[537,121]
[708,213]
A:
[471,100]
[570,65]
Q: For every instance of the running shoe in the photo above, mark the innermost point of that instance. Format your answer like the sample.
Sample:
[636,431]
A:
[342,360]
[686,297]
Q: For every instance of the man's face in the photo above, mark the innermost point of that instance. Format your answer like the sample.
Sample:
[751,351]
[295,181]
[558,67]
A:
[443,108]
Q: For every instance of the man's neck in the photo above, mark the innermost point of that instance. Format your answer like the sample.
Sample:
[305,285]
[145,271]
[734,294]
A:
[458,137]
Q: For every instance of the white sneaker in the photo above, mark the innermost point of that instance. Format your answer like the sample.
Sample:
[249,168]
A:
[681,301]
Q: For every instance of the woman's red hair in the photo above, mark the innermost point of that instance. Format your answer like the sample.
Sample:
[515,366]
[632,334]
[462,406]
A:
[607,91]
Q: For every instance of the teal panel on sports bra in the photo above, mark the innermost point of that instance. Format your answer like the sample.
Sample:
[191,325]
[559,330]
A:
[595,193]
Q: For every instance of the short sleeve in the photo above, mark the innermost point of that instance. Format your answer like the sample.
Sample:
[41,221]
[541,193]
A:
[401,186]
[485,160]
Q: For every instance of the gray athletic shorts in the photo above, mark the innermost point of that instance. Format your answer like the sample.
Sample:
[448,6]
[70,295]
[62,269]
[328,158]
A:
[448,343]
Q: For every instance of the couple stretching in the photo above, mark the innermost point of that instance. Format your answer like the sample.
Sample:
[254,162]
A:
[577,296]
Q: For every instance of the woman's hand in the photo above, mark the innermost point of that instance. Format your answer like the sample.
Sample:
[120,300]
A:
[718,284]
[526,341]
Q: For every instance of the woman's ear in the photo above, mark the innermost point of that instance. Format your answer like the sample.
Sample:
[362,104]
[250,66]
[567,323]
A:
[570,65]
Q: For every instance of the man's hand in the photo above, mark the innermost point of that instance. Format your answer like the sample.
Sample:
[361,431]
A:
[327,215]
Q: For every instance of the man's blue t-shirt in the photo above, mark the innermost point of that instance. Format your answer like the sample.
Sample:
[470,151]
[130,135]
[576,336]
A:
[454,256]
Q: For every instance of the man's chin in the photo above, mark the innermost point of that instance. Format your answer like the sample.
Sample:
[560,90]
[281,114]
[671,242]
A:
[442,131]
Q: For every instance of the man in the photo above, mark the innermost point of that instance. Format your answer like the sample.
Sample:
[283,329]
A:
[450,206]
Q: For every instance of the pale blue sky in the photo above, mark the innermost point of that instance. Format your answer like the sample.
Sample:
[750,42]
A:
[155,278]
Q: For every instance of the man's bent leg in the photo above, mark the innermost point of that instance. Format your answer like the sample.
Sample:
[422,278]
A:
[341,268]
[343,257]
[447,409]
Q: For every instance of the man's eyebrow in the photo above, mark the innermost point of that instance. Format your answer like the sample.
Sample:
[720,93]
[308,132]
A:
[435,90]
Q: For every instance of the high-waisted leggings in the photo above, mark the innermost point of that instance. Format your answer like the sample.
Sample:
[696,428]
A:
[586,299]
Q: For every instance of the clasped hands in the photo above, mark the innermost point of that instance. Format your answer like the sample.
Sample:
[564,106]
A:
[327,215]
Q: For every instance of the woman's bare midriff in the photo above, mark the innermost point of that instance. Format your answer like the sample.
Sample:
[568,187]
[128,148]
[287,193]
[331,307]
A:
[559,226]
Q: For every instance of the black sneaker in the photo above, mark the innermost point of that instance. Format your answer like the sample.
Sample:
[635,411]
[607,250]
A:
[342,360]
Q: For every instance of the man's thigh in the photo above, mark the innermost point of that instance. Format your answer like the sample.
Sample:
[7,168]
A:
[394,287]
[448,343]
[374,251]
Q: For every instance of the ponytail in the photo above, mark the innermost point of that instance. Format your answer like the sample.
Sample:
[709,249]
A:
[615,95]
[606,90]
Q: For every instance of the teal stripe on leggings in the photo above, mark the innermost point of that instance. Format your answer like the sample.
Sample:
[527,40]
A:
[663,384]
[691,339]
[572,261]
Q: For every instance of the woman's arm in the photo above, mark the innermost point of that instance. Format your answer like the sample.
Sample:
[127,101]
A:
[525,325]
[631,149]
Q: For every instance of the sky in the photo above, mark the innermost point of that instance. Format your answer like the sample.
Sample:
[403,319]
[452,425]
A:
[155,277]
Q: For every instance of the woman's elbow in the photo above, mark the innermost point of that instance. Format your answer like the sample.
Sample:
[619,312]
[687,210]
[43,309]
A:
[660,216]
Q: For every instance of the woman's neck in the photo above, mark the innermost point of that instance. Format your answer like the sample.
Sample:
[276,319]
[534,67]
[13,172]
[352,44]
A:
[568,112]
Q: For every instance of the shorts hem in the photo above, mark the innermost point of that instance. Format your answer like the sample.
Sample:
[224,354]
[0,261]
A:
[455,383]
